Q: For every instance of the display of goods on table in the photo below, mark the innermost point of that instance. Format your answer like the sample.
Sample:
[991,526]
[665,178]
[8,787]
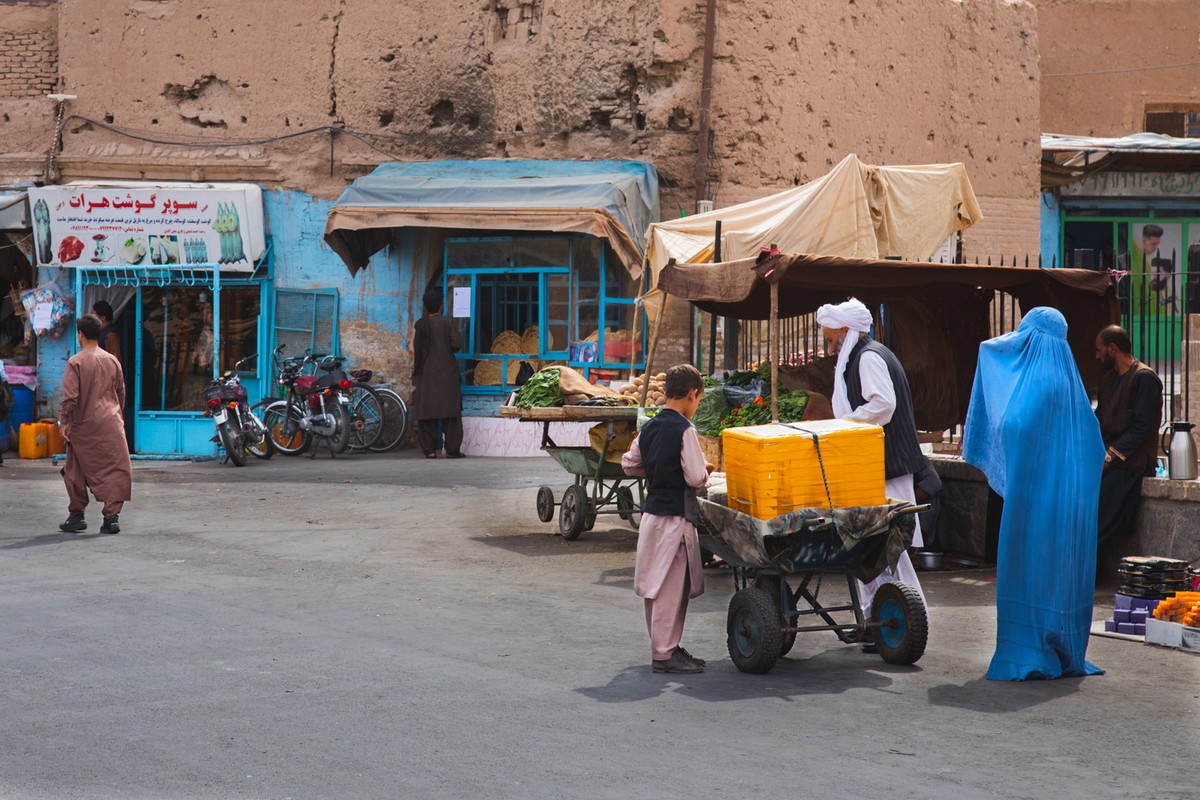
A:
[1152,577]
[775,469]
[656,394]
[540,391]
[559,386]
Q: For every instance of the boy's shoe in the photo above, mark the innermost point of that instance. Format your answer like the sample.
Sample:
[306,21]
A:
[868,644]
[700,662]
[111,525]
[74,524]
[677,665]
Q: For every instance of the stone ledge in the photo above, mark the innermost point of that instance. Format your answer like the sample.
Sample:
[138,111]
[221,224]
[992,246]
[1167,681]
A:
[1168,489]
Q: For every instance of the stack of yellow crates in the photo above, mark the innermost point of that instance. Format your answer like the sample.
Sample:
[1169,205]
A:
[773,469]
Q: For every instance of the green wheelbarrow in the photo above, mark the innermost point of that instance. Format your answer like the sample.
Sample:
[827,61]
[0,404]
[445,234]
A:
[601,487]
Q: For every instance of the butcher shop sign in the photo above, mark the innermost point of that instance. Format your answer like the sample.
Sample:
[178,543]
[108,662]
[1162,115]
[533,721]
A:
[148,225]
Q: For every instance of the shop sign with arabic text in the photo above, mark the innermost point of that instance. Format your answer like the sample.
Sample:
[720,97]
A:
[162,226]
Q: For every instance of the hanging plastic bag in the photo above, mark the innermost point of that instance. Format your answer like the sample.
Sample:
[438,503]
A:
[47,309]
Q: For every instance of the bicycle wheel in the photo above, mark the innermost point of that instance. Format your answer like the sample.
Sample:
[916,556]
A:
[395,421]
[283,423]
[366,416]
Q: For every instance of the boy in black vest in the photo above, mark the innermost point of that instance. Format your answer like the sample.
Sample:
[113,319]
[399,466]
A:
[667,572]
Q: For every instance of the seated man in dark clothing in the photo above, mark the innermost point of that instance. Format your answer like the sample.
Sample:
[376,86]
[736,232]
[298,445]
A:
[1129,408]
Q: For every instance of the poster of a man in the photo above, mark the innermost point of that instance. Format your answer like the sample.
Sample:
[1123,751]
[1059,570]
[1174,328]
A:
[1150,260]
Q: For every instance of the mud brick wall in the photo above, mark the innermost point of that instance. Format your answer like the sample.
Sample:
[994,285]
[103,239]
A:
[28,60]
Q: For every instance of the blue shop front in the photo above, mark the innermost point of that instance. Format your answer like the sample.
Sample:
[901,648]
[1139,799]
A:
[539,262]
[187,271]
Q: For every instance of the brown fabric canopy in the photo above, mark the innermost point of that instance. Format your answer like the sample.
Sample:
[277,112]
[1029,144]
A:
[937,313]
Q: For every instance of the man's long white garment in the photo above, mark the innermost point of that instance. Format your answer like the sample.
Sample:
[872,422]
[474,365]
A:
[879,403]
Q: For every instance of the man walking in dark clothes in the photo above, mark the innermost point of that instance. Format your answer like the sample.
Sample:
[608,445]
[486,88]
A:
[1129,407]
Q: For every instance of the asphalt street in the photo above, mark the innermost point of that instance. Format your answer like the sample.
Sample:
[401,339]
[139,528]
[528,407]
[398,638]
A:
[392,627]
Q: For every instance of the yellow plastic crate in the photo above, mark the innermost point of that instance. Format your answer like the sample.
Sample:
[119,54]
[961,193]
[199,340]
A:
[773,469]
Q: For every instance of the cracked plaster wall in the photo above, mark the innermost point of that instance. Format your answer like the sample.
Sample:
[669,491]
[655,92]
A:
[1090,36]
[797,86]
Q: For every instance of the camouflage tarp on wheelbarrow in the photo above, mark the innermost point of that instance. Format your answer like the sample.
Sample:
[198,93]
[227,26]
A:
[780,543]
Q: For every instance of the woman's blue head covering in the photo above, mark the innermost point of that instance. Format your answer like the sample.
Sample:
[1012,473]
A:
[1029,374]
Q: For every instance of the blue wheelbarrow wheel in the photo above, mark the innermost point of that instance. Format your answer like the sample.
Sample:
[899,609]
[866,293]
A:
[904,623]
[754,639]
[573,512]
[545,503]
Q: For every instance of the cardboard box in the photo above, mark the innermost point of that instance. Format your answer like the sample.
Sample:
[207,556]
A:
[1190,637]
[774,469]
[1167,634]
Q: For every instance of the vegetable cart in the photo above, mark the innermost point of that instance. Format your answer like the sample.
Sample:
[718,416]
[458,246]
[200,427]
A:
[601,486]
[778,568]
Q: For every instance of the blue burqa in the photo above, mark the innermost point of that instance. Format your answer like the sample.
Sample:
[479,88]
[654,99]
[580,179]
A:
[1032,431]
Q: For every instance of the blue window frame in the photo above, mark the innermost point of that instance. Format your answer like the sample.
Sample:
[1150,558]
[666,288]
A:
[307,320]
[569,287]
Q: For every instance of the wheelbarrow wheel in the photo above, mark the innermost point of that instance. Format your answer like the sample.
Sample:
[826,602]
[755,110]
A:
[904,624]
[625,507]
[572,513]
[545,503]
[753,626]
[770,585]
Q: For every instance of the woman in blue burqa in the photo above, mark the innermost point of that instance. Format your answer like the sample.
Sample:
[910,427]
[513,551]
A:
[1032,431]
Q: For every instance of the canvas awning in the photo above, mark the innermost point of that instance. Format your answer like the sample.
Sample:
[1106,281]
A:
[938,313]
[615,200]
[856,210]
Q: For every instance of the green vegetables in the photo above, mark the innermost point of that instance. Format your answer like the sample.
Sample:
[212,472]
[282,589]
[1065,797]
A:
[540,391]
[758,412]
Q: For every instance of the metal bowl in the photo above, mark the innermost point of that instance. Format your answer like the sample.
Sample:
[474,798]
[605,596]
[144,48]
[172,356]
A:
[928,559]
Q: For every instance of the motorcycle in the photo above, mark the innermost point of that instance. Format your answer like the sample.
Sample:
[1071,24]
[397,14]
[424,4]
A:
[239,430]
[312,407]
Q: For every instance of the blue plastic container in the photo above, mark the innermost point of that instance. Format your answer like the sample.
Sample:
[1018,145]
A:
[20,413]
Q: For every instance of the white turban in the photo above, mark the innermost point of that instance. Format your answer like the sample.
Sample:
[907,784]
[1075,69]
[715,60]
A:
[855,316]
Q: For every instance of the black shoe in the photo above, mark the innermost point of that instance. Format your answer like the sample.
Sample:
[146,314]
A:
[74,524]
[868,644]
[677,665]
[456,455]
[111,525]
[698,661]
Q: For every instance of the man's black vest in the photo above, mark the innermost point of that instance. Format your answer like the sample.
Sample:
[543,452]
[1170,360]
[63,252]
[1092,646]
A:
[901,450]
[661,443]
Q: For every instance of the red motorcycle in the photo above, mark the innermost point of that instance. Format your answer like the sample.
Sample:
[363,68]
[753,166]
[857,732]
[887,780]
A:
[313,408]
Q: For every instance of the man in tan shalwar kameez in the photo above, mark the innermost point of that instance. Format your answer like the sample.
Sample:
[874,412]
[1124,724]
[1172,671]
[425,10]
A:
[92,421]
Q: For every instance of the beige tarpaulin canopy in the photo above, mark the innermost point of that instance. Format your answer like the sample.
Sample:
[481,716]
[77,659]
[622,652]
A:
[857,210]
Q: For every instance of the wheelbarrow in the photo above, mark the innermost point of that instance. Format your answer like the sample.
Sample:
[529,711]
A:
[601,487]
[778,567]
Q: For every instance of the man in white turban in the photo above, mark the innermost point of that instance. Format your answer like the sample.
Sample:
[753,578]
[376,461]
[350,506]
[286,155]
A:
[869,386]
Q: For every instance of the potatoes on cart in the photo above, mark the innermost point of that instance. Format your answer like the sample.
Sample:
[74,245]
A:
[656,394]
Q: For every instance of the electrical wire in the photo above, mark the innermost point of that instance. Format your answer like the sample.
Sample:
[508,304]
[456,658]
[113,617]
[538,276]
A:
[1119,70]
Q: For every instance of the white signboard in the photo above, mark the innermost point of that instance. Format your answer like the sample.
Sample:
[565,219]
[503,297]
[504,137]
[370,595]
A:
[93,225]
[462,302]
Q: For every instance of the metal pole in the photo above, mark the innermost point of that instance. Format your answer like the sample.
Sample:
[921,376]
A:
[701,191]
[774,353]
[712,331]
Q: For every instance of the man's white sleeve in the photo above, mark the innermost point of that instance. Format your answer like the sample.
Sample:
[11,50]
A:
[879,395]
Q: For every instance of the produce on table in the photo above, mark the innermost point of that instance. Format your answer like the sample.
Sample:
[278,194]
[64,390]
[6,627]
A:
[1182,607]
[791,409]
[655,396]
[540,391]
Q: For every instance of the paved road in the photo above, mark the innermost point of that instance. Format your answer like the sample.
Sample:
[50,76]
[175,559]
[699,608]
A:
[387,626]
